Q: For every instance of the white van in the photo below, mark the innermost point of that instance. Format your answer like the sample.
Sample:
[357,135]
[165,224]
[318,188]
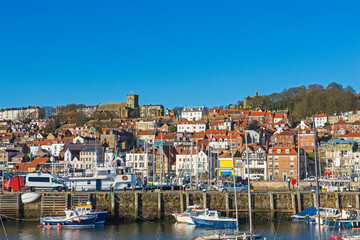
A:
[44,181]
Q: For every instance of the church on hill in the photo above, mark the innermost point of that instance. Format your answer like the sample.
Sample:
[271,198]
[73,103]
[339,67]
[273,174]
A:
[121,109]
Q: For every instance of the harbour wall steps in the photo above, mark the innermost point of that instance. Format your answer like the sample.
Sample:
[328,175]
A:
[148,206]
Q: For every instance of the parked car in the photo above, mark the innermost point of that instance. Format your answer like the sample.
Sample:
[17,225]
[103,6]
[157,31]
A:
[311,188]
[43,181]
[230,188]
[255,177]
[309,179]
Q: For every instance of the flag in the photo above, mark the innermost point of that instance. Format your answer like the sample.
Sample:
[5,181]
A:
[116,152]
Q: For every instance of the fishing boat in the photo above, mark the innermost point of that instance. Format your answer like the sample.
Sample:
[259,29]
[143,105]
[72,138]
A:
[71,219]
[348,218]
[212,218]
[104,179]
[325,213]
[87,209]
[184,217]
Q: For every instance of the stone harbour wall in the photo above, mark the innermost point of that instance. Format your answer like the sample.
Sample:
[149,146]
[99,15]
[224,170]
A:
[143,206]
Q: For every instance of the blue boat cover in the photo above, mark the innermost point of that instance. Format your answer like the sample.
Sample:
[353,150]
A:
[310,211]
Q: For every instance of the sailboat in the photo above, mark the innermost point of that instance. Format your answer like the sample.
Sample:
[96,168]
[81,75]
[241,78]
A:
[236,234]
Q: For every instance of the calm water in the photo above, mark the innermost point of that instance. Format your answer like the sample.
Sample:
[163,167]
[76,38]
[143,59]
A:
[157,230]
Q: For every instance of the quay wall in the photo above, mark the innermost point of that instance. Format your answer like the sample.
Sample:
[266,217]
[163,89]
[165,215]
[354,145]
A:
[150,206]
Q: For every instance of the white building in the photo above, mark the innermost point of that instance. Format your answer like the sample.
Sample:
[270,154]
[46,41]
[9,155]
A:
[91,157]
[193,113]
[141,162]
[53,148]
[191,162]
[321,119]
[190,126]
[219,142]
[12,114]
[257,161]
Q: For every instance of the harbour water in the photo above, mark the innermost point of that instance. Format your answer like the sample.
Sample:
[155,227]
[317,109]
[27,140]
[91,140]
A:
[160,230]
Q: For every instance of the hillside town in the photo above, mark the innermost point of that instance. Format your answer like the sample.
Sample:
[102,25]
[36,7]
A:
[193,143]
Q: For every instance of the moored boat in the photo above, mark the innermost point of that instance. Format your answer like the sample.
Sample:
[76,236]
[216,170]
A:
[30,197]
[304,215]
[212,218]
[71,219]
[87,209]
[184,217]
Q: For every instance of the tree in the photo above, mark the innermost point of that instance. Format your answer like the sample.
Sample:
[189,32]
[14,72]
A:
[315,87]
[49,111]
[172,128]
[334,86]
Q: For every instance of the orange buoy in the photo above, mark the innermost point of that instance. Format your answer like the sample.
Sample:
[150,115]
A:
[48,224]
[59,224]
[72,220]
[40,226]
[79,220]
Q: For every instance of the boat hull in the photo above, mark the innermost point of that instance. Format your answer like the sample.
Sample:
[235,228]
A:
[64,222]
[341,223]
[100,217]
[29,197]
[224,223]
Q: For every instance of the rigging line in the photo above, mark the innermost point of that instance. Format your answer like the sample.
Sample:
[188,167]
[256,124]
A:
[2,223]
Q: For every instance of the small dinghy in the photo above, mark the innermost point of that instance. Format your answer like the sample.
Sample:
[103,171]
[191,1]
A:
[29,197]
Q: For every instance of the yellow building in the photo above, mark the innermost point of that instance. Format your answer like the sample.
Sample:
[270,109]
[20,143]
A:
[226,164]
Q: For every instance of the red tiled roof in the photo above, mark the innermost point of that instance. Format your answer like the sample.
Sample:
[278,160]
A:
[278,115]
[293,151]
[321,115]
[340,122]
[146,132]
[350,135]
[257,114]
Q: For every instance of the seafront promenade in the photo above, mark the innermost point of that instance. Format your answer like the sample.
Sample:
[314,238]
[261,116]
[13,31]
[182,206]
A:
[137,205]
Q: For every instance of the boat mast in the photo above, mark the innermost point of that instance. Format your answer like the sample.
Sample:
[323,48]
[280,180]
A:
[317,181]
[299,169]
[196,166]
[248,178]
[236,206]
[191,164]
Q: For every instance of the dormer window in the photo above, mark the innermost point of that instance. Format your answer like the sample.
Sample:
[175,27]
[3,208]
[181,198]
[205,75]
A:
[270,151]
[287,150]
[279,151]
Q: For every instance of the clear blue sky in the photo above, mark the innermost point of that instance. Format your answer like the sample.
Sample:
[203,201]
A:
[172,52]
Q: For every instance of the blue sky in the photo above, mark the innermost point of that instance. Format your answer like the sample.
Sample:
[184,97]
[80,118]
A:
[172,52]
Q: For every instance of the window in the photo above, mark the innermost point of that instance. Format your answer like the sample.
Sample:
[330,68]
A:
[271,151]
[276,173]
[287,150]
[270,165]
[276,158]
[291,173]
[276,165]
[292,158]
[291,165]
[279,151]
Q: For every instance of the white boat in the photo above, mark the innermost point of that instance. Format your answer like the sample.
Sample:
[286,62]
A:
[104,179]
[185,217]
[212,218]
[30,197]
